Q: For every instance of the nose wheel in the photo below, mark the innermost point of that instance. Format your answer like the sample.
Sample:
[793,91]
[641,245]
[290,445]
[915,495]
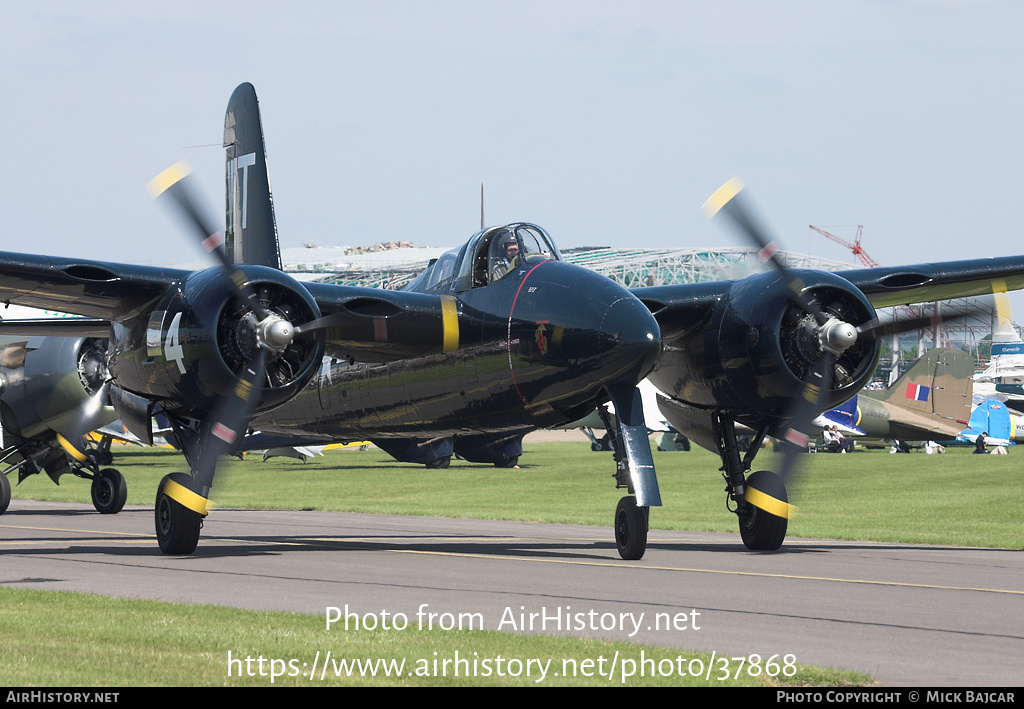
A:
[631,525]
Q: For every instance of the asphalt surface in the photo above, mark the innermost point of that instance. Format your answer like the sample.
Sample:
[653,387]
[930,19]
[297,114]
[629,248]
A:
[906,614]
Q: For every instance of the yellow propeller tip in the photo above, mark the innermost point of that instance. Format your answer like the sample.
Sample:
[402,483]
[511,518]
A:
[166,179]
[722,196]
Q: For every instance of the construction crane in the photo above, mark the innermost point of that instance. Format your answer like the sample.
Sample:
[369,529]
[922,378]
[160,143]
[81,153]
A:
[855,247]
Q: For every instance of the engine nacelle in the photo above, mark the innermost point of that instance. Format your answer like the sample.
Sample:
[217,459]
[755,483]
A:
[48,380]
[187,353]
[756,347]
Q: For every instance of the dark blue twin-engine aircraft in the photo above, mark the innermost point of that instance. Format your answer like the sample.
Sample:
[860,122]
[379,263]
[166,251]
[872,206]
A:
[494,339]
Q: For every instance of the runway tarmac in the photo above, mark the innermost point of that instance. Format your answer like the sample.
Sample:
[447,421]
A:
[907,614]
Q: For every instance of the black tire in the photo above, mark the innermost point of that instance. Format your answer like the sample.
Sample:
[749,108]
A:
[507,462]
[631,524]
[5,493]
[109,491]
[439,463]
[760,530]
[177,527]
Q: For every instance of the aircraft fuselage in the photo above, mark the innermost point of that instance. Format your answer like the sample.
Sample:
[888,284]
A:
[534,350]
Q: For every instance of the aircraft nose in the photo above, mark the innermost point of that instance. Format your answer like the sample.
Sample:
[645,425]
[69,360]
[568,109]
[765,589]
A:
[572,332]
[631,338]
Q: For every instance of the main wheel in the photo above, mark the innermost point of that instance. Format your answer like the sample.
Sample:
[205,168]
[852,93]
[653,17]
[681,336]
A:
[760,530]
[631,523]
[439,463]
[5,493]
[511,462]
[109,491]
[177,527]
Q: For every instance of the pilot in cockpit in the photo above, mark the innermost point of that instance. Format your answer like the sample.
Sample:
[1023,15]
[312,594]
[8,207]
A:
[504,255]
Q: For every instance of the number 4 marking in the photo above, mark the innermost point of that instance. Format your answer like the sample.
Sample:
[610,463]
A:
[172,345]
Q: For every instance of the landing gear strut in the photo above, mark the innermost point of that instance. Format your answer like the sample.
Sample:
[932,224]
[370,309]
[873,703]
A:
[760,530]
[634,471]
[109,490]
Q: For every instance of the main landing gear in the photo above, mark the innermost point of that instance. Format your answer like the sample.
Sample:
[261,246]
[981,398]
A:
[751,497]
[5,493]
[177,526]
[109,490]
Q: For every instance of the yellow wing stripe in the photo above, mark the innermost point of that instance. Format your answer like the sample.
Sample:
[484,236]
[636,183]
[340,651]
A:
[162,182]
[71,450]
[722,196]
[449,324]
[185,497]
[768,503]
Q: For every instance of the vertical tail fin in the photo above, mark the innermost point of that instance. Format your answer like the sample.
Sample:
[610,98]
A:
[992,418]
[251,233]
[938,383]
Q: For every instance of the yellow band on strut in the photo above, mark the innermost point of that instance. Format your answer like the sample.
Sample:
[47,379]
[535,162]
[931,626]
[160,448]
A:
[186,498]
[449,324]
[722,196]
[162,182]
[768,503]
[71,450]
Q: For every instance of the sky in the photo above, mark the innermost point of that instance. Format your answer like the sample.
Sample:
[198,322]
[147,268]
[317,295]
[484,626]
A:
[607,123]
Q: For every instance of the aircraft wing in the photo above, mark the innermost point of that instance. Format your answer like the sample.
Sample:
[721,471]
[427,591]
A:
[103,291]
[904,285]
[56,327]
[678,307]
[366,324]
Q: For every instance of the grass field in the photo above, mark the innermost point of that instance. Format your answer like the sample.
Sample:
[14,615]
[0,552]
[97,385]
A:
[956,498]
[73,639]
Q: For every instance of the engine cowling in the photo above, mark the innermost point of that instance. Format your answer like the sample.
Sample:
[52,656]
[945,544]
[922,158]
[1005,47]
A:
[187,353]
[47,381]
[750,356]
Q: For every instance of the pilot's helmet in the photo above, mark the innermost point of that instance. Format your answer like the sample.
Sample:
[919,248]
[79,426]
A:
[505,240]
[501,242]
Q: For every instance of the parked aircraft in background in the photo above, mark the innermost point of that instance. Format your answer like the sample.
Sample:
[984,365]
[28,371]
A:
[1000,426]
[53,391]
[930,402]
[465,353]
[1003,379]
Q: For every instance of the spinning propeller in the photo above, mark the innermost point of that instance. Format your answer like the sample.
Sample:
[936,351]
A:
[261,334]
[827,336]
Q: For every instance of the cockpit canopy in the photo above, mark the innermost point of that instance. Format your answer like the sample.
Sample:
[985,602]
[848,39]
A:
[486,258]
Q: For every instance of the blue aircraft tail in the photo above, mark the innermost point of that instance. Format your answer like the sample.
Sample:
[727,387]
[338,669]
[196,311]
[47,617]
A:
[992,418]
[846,417]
